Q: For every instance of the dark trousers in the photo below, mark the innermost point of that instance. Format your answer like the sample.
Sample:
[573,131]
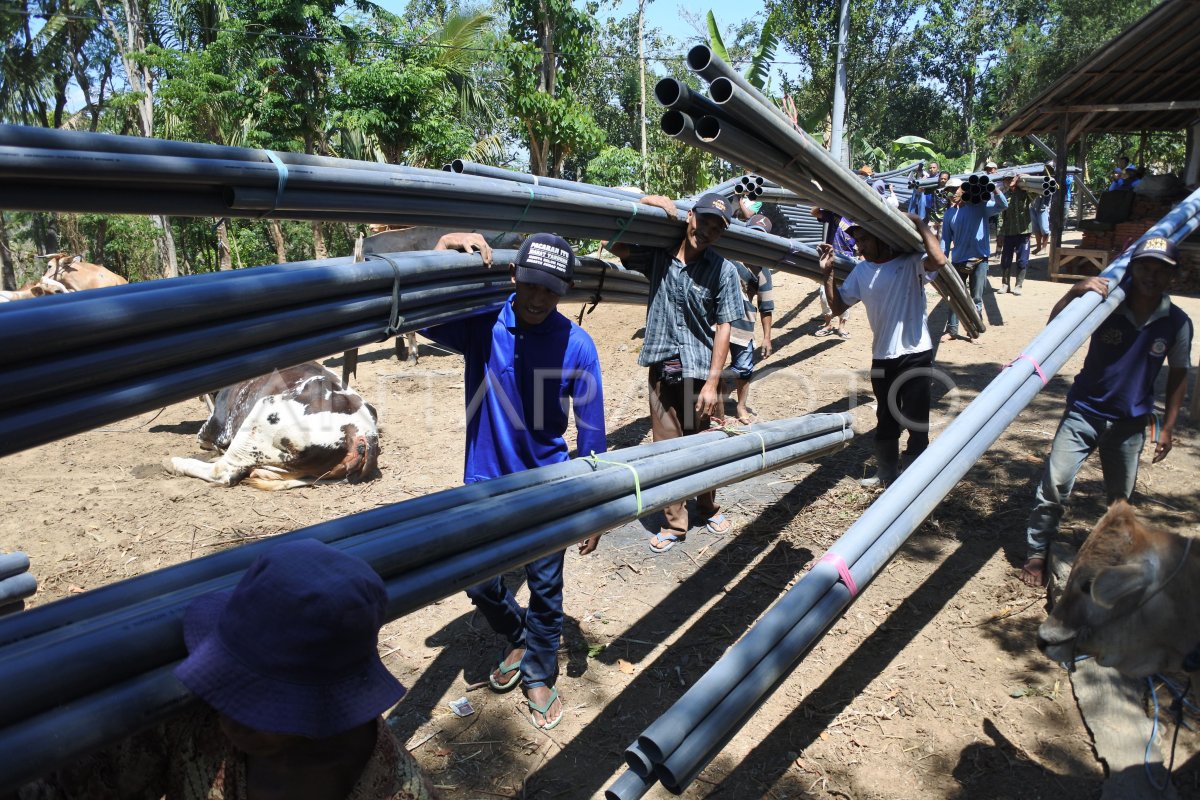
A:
[673,414]
[1018,246]
[538,628]
[901,388]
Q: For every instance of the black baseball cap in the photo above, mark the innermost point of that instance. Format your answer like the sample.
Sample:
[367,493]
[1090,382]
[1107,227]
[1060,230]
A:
[715,204]
[760,222]
[547,260]
[1159,248]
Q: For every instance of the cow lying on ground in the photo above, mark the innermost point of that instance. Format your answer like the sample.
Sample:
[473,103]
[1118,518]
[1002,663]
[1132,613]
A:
[76,275]
[1130,601]
[291,428]
[64,274]
[31,290]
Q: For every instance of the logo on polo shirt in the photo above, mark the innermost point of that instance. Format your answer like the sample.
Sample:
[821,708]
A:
[1111,336]
[1158,348]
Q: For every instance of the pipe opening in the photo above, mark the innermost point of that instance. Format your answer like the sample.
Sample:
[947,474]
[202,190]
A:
[669,91]
[674,123]
[721,90]
[458,166]
[708,128]
[699,57]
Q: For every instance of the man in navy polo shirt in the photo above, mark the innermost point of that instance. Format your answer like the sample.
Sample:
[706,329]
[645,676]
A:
[525,365]
[1112,398]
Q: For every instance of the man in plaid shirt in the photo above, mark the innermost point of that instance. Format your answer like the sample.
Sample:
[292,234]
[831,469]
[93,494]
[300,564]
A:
[695,295]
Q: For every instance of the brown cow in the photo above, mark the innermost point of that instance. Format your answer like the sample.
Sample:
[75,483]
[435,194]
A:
[294,427]
[31,290]
[1130,601]
[76,275]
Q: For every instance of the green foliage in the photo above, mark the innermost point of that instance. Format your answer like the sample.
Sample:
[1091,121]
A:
[551,45]
[615,166]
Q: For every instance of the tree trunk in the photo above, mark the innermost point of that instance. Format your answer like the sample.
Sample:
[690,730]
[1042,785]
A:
[100,240]
[277,237]
[320,250]
[164,246]
[224,258]
[8,271]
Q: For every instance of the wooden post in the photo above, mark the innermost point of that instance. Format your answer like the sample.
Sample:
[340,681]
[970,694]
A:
[1081,178]
[1056,200]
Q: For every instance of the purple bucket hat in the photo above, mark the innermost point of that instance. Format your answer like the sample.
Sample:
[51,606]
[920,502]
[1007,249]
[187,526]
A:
[293,648]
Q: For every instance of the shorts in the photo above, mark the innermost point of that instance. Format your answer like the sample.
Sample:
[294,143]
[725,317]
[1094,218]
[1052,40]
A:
[743,359]
[1040,218]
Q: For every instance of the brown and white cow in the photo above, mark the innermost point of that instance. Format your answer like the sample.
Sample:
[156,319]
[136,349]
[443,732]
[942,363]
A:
[64,274]
[291,428]
[77,275]
[30,290]
[1131,601]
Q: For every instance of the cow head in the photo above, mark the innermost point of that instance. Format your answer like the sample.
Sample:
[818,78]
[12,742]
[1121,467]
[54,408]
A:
[1129,601]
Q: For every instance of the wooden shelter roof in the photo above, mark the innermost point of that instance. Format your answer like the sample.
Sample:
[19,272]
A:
[1147,78]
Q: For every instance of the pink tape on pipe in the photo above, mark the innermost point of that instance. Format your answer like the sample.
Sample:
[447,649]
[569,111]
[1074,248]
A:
[843,571]
[1036,366]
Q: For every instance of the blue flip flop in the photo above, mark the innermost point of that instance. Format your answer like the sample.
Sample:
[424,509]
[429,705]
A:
[670,539]
[543,710]
[505,669]
[715,522]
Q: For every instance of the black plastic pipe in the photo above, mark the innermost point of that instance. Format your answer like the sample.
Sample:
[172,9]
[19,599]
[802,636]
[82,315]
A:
[156,695]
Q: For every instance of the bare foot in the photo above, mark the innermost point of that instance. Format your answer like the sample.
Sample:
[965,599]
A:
[1034,572]
[946,337]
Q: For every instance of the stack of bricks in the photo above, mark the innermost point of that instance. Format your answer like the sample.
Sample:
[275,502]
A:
[1144,207]
[1126,233]
[1188,279]
[1097,240]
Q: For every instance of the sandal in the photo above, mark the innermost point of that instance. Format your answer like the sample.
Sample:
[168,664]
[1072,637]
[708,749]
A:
[823,331]
[670,540]
[543,710]
[844,334]
[718,524]
[505,669]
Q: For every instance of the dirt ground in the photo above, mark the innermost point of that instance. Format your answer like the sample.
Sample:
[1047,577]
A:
[931,685]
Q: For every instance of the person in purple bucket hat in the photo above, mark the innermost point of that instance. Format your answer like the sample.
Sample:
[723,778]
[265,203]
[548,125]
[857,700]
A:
[293,692]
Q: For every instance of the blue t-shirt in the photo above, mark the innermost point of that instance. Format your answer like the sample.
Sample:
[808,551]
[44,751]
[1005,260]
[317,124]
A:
[965,234]
[519,384]
[1117,379]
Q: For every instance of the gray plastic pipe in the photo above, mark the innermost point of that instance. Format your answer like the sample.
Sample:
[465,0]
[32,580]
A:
[874,539]
[13,564]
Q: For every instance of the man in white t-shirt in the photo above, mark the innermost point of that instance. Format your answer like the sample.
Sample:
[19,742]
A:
[892,288]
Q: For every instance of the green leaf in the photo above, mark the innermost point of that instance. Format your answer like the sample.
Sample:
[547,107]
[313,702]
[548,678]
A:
[759,71]
[714,38]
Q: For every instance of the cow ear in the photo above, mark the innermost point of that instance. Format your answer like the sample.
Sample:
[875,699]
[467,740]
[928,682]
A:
[1114,583]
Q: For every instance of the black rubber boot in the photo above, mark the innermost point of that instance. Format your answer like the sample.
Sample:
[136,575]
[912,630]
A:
[887,460]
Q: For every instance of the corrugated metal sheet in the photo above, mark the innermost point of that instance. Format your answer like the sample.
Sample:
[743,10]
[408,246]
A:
[1147,78]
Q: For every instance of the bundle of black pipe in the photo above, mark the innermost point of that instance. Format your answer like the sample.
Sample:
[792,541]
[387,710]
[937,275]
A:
[680,742]
[999,175]
[119,649]
[750,131]
[1038,185]
[16,582]
[978,188]
[51,170]
[91,358]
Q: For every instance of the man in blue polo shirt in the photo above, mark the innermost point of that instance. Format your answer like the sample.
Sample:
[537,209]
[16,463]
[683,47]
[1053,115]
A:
[967,240]
[525,365]
[1112,398]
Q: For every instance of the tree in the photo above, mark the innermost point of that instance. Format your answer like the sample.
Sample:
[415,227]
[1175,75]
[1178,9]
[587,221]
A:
[140,81]
[550,50]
